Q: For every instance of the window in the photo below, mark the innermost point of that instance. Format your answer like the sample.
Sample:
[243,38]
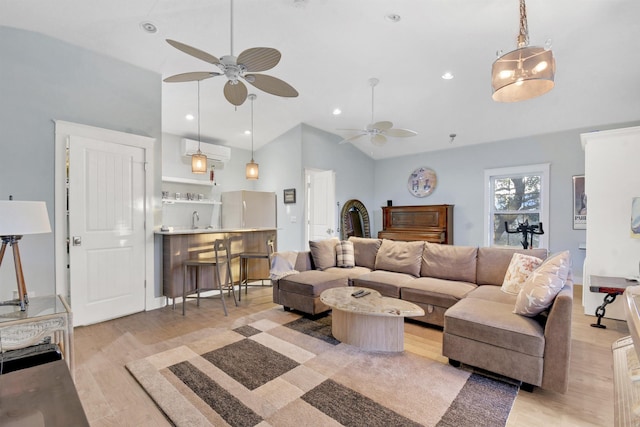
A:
[515,196]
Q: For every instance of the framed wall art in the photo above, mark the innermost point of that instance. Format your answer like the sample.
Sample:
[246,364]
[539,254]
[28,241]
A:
[579,203]
[289,195]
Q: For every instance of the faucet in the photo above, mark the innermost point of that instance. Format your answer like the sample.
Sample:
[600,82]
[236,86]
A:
[194,217]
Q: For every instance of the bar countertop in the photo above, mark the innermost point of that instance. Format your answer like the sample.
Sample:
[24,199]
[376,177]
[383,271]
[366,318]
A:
[178,231]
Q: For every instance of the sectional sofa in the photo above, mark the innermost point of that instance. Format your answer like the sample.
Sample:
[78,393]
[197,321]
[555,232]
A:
[462,289]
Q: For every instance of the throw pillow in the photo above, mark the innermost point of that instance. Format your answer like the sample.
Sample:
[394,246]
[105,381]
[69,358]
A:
[399,256]
[542,286]
[323,253]
[344,254]
[519,270]
[365,250]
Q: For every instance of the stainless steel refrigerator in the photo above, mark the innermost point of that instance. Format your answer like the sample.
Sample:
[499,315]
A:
[248,209]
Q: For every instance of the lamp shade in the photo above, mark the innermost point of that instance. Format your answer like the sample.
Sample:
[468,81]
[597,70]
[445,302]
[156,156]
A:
[199,163]
[252,170]
[18,218]
[524,73]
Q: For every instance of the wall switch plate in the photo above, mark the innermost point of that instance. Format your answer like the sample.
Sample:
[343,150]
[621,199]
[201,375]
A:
[294,219]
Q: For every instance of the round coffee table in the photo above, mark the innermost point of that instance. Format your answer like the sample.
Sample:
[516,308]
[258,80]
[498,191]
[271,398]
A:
[371,322]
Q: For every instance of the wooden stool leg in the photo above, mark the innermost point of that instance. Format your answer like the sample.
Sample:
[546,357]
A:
[224,304]
[230,279]
[184,288]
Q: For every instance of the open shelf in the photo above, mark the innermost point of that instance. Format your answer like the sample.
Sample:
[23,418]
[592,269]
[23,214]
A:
[191,181]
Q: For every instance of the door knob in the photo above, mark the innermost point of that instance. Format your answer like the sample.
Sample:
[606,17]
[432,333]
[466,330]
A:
[77,240]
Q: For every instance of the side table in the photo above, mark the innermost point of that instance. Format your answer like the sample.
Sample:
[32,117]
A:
[45,316]
[612,287]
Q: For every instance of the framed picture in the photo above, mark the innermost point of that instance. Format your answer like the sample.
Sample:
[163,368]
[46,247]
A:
[290,195]
[579,203]
[635,217]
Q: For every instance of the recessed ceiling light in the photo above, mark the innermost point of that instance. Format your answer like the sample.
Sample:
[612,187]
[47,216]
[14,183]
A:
[392,17]
[447,76]
[189,117]
[149,27]
[337,112]
[247,132]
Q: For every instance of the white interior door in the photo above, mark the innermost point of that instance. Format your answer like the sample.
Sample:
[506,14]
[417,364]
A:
[106,229]
[321,201]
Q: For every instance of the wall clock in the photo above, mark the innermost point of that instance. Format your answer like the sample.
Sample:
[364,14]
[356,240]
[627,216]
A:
[422,182]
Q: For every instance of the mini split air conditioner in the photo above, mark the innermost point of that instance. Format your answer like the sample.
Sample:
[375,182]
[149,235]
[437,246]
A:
[218,153]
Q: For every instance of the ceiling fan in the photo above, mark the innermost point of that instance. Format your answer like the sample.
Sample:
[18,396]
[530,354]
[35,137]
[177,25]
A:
[236,68]
[378,131]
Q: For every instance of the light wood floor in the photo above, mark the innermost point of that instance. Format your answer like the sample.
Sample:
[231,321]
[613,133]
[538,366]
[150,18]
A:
[111,397]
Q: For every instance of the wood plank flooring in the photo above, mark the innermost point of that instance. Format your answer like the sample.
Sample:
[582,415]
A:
[111,397]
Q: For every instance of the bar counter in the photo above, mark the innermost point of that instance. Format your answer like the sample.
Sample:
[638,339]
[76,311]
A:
[181,244]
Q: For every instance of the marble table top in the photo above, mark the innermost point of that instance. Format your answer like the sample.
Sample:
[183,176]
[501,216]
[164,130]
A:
[373,304]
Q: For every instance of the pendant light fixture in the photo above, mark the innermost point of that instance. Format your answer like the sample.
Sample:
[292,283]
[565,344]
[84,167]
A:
[524,73]
[251,171]
[198,160]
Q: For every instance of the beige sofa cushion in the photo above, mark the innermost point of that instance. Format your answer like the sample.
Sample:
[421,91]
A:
[323,252]
[440,292]
[365,251]
[519,270]
[311,283]
[493,263]
[401,257]
[388,283]
[543,285]
[449,262]
[494,323]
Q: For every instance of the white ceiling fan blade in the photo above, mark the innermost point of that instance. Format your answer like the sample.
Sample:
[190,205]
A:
[352,138]
[190,77]
[189,50]
[378,140]
[400,133]
[236,93]
[353,130]
[259,58]
[271,85]
[380,125]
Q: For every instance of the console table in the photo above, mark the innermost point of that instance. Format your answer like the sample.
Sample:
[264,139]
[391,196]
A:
[432,223]
[45,316]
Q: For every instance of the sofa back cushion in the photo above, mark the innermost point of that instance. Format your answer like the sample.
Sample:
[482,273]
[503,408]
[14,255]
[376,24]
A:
[493,263]
[323,253]
[449,262]
[365,251]
[401,257]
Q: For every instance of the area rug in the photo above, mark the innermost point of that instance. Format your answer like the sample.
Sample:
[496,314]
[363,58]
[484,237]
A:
[276,368]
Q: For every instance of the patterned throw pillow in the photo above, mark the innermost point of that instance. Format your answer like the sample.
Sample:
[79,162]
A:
[344,254]
[519,270]
[542,286]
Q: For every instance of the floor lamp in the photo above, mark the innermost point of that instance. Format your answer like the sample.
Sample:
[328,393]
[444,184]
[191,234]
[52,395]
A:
[18,218]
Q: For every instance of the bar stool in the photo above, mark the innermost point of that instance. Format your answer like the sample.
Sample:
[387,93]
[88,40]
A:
[244,263]
[221,259]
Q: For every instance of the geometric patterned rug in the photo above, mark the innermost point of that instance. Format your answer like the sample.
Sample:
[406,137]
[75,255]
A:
[276,368]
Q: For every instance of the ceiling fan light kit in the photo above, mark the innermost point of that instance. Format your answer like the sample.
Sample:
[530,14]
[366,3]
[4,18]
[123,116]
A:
[524,73]
[378,131]
[236,69]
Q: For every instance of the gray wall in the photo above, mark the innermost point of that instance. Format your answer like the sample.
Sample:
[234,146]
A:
[41,80]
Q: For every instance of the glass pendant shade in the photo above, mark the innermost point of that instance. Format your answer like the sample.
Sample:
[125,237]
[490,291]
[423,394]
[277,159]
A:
[252,170]
[521,74]
[198,163]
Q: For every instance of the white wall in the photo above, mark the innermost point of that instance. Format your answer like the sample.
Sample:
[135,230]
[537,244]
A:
[611,181]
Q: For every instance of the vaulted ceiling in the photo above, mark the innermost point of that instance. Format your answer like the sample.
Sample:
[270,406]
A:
[331,48]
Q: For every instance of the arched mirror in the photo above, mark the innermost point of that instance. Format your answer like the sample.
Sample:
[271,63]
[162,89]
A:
[355,220]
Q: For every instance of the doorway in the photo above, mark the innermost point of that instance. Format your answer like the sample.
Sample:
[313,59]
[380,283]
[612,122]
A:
[104,248]
[321,211]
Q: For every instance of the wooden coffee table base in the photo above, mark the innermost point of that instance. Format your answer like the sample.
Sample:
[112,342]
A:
[373,333]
